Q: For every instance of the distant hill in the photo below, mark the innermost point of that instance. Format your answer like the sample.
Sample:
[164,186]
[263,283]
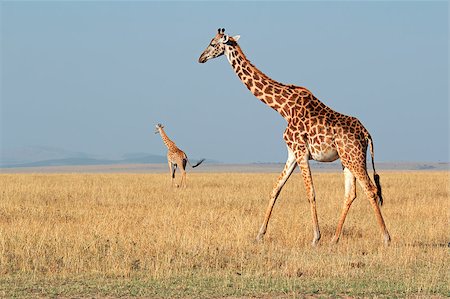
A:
[139,158]
[88,161]
[47,156]
[31,154]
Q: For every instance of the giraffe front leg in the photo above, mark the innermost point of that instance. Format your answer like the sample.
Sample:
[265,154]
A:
[302,160]
[284,176]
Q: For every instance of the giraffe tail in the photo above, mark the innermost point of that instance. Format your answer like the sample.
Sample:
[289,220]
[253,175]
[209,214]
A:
[198,163]
[376,177]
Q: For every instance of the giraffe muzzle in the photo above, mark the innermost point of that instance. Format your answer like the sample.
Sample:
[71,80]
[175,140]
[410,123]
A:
[202,59]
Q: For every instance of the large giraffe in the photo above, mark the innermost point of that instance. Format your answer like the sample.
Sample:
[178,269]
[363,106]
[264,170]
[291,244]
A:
[314,132]
[175,157]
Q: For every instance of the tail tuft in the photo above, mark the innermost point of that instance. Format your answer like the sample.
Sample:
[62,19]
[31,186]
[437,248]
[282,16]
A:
[376,178]
[199,162]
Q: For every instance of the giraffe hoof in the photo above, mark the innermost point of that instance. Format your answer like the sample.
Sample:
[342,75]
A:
[387,240]
[334,241]
[259,238]
[316,239]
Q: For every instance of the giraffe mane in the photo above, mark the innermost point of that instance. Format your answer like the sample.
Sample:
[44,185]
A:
[262,74]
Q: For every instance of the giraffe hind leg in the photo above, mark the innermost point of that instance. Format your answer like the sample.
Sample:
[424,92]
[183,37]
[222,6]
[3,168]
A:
[372,194]
[182,163]
[183,177]
[350,196]
[173,174]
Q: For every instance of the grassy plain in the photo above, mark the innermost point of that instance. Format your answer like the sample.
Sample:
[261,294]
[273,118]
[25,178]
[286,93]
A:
[115,235]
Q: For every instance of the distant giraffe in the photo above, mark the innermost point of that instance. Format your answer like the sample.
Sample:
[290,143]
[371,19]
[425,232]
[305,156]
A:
[175,157]
[314,132]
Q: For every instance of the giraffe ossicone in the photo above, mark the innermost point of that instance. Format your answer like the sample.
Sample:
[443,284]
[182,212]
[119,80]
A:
[314,132]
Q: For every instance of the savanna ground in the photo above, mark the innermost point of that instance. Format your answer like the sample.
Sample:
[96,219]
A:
[125,235]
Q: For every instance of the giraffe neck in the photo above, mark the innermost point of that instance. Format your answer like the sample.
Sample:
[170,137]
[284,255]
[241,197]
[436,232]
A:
[169,143]
[276,95]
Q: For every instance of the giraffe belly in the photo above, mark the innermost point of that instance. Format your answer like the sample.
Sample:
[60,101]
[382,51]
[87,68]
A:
[323,153]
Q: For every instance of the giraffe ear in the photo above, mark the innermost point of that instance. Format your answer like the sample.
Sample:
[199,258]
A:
[236,37]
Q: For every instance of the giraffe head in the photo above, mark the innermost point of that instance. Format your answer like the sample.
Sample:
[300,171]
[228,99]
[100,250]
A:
[158,128]
[217,45]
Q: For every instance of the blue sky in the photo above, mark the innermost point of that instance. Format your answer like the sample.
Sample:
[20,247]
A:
[96,77]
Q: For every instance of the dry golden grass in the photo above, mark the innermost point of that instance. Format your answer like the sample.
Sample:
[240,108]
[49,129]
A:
[131,234]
